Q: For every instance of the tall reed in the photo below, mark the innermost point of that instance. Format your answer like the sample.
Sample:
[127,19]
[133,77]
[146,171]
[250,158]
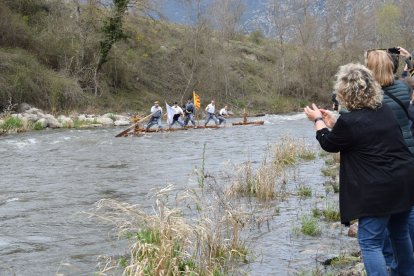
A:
[201,235]
[268,181]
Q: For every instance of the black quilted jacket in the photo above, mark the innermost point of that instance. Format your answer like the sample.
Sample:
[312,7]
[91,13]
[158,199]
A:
[402,92]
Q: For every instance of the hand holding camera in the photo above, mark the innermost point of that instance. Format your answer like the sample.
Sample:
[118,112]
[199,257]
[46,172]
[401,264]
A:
[403,52]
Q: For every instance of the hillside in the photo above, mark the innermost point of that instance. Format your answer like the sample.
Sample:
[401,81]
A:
[49,53]
[82,55]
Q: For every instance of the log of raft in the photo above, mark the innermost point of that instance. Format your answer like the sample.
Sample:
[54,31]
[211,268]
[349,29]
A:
[141,131]
[245,122]
[257,123]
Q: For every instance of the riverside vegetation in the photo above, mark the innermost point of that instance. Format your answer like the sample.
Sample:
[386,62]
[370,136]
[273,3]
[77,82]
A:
[93,58]
[35,119]
[204,230]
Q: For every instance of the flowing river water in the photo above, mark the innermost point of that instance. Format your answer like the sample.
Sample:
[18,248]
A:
[49,179]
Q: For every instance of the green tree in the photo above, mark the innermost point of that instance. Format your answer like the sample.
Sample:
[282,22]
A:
[112,32]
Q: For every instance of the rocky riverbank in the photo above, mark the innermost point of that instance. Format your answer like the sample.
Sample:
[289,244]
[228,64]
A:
[27,118]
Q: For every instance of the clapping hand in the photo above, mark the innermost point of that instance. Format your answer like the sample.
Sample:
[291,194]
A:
[328,118]
[312,112]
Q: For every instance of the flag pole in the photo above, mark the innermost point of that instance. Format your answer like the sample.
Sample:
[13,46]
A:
[197,105]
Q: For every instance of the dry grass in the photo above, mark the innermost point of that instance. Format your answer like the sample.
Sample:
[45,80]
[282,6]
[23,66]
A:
[331,171]
[290,150]
[208,242]
[269,180]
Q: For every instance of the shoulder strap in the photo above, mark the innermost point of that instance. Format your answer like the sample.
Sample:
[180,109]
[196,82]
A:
[400,104]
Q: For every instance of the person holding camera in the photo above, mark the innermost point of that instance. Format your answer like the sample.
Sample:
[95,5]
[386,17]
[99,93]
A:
[376,167]
[397,94]
[408,67]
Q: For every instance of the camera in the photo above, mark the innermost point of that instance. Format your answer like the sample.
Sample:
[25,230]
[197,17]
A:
[393,50]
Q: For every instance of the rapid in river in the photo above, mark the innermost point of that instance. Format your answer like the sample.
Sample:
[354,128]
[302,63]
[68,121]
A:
[50,180]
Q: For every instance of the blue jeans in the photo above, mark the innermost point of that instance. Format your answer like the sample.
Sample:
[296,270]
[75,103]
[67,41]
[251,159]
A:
[387,248]
[189,117]
[177,121]
[154,121]
[371,231]
[221,119]
[210,116]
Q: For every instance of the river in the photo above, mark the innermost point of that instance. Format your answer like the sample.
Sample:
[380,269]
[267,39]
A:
[49,179]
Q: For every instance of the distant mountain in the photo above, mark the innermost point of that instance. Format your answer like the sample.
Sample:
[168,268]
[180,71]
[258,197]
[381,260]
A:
[179,12]
[257,13]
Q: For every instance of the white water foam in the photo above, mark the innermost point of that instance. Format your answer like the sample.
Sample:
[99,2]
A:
[12,199]
[21,144]
[271,119]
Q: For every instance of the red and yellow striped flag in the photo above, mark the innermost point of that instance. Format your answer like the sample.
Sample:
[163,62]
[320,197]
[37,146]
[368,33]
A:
[196,100]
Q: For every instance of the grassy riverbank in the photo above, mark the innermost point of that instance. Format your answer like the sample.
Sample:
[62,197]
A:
[208,229]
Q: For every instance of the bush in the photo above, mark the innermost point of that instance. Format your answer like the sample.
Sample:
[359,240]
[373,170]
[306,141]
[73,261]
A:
[256,37]
[310,226]
[331,213]
[24,79]
[14,32]
[12,123]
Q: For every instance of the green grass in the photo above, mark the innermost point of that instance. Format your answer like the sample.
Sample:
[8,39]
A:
[330,171]
[343,260]
[316,213]
[148,236]
[307,155]
[112,117]
[37,126]
[12,123]
[331,213]
[305,191]
[310,226]
[335,186]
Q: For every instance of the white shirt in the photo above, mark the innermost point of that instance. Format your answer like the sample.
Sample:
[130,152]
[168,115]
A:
[223,112]
[177,110]
[155,108]
[210,108]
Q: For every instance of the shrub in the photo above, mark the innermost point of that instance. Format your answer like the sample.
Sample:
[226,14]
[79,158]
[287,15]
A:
[165,242]
[256,36]
[304,191]
[14,32]
[309,226]
[24,79]
[331,213]
[37,126]
[12,123]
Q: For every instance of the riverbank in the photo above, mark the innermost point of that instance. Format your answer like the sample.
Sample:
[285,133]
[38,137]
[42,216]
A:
[27,118]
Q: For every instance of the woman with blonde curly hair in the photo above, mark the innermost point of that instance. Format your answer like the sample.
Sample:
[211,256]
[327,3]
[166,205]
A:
[376,167]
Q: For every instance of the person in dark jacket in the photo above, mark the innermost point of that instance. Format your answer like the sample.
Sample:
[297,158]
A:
[411,112]
[380,63]
[397,96]
[410,83]
[376,167]
[189,113]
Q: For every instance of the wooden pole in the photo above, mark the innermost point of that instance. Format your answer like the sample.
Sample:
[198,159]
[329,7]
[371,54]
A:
[121,134]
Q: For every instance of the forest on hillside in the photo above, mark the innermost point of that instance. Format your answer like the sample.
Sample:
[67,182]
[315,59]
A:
[114,55]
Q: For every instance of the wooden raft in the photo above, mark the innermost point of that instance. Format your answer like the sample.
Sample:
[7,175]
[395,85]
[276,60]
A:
[245,122]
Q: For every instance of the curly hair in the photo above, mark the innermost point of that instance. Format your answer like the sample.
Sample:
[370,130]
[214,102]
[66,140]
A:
[356,87]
